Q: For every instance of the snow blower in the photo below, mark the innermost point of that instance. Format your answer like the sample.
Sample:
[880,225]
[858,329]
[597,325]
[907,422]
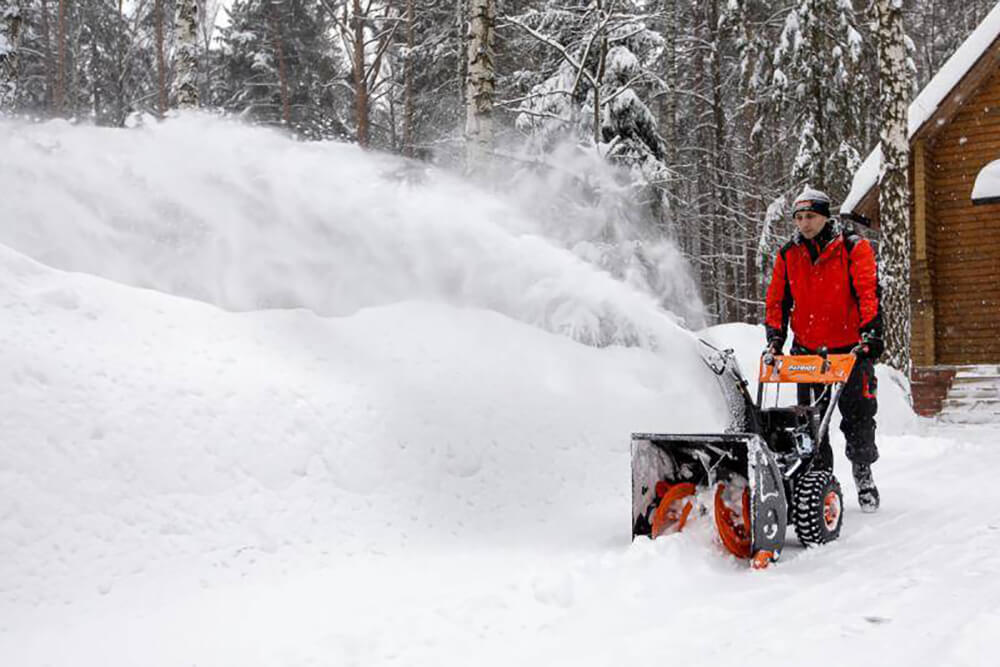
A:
[760,475]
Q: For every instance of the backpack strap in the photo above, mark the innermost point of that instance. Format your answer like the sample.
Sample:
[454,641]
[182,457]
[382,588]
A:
[851,239]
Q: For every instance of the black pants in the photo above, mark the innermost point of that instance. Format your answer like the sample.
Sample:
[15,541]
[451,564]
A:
[858,405]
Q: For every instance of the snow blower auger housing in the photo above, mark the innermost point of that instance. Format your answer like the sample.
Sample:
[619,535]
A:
[760,475]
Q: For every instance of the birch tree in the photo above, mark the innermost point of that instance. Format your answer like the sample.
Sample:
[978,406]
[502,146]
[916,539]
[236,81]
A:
[894,251]
[186,77]
[481,85]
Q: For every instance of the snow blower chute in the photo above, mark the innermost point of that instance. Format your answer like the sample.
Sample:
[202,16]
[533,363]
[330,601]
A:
[756,478]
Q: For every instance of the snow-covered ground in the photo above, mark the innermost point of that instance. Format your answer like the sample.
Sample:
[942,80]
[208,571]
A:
[235,430]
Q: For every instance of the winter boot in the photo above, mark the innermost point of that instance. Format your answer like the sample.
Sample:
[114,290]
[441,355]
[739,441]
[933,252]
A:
[867,491]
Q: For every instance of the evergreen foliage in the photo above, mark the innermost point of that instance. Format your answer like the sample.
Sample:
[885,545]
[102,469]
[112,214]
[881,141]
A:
[262,33]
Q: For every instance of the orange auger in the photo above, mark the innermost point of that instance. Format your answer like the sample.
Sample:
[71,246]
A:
[736,538]
[734,531]
[666,513]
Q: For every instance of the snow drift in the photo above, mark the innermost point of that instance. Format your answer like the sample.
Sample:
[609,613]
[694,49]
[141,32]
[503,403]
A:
[141,427]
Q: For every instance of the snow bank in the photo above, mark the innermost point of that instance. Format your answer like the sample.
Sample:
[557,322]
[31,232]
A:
[140,427]
[245,218]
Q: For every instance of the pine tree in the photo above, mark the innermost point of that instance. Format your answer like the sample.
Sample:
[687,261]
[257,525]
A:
[431,61]
[757,172]
[602,59]
[821,83]
[279,65]
[938,27]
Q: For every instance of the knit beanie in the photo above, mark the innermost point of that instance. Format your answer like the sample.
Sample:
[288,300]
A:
[812,200]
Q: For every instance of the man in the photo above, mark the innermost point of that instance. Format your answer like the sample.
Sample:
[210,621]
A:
[825,285]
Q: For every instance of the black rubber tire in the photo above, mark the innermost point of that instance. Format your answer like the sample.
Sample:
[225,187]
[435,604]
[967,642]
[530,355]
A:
[809,508]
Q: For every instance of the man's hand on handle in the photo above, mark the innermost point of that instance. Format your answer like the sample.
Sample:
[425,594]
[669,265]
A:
[871,346]
[772,350]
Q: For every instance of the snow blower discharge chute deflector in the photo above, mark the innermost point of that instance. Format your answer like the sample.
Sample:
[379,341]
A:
[760,475]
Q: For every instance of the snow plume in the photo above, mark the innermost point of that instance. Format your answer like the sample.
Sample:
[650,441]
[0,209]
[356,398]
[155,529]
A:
[584,203]
[601,190]
[247,219]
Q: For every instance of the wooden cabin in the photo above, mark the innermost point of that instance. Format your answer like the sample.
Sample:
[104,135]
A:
[955,261]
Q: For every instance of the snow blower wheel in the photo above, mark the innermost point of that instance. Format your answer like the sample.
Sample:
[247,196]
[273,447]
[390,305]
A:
[817,508]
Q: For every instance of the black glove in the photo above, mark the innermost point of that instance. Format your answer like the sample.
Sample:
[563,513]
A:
[872,345]
[775,341]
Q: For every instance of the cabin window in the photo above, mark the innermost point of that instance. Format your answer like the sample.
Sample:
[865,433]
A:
[987,188]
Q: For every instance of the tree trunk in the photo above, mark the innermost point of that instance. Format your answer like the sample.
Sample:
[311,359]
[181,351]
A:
[750,204]
[894,251]
[461,61]
[599,74]
[161,66]
[10,29]
[361,101]
[408,84]
[60,60]
[120,66]
[668,115]
[481,85]
[50,85]
[95,76]
[279,53]
[186,78]
[723,232]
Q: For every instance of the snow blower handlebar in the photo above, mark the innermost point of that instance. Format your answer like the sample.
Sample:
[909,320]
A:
[821,368]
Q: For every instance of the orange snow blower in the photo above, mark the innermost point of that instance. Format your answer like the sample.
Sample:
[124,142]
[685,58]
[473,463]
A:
[760,475]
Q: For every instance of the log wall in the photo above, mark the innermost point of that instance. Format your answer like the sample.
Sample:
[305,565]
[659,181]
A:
[964,239]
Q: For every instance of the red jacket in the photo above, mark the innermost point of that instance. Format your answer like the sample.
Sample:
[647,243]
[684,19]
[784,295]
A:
[828,287]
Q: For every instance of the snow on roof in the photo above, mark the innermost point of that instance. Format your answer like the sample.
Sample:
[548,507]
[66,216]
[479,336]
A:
[864,179]
[929,99]
[987,183]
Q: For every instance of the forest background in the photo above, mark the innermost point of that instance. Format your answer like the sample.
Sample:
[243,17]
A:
[661,124]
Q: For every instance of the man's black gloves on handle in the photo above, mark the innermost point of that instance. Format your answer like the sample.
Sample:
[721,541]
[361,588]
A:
[872,344]
[775,341]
